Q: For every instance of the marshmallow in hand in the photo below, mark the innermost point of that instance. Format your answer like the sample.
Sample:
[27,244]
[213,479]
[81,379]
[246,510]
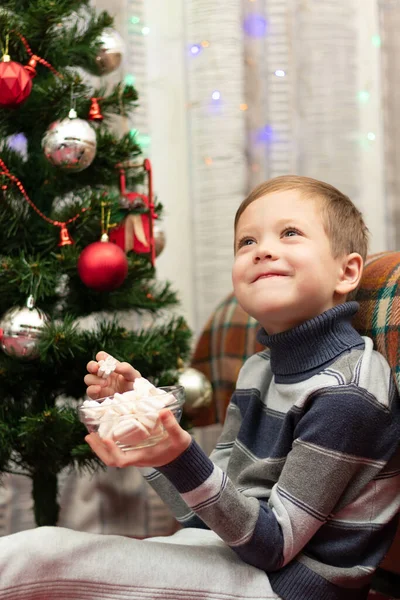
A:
[106,367]
[131,417]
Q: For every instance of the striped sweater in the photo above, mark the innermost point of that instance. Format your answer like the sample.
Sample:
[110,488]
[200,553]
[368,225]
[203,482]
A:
[304,482]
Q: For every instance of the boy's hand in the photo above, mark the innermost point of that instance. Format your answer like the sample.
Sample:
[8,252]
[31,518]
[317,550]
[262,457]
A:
[166,450]
[121,380]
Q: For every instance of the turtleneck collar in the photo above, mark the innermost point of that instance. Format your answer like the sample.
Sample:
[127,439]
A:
[313,344]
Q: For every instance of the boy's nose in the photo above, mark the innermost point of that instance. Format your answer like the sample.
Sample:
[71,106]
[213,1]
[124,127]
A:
[261,256]
[264,252]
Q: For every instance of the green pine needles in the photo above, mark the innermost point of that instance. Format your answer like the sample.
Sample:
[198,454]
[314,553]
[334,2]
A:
[40,433]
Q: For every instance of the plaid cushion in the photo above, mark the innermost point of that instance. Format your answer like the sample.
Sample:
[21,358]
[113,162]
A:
[229,337]
[227,340]
[379,314]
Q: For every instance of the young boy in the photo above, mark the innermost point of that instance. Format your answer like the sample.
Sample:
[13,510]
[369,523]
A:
[298,500]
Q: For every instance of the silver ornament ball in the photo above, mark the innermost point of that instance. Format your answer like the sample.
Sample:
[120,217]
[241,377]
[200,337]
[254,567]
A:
[111,51]
[198,389]
[22,328]
[70,144]
[159,239]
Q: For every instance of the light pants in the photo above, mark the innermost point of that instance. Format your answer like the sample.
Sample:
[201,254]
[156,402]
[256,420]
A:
[55,563]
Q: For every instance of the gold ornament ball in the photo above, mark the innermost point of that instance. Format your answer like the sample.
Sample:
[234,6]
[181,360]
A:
[111,51]
[22,328]
[70,144]
[198,390]
[159,239]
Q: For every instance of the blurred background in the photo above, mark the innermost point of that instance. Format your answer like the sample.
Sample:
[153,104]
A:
[231,97]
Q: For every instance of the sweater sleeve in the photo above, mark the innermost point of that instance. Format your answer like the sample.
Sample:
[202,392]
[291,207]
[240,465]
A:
[331,461]
[166,489]
[173,499]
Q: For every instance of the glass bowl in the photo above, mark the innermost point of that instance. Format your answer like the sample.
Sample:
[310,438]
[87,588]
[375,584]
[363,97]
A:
[128,427]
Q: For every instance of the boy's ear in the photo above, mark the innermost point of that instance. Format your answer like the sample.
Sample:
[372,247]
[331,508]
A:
[350,274]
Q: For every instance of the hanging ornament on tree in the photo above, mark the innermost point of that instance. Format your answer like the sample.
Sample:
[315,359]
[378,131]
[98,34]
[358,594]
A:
[103,266]
[159,239]
[136,233]
[21,330]
[16,79]
[94,111]
[111,51]
[198,390]
[15,83]
[70,143]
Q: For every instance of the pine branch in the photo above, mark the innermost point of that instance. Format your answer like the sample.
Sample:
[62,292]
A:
[40,432]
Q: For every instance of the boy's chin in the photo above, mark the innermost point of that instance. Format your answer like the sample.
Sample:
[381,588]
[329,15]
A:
[275,321]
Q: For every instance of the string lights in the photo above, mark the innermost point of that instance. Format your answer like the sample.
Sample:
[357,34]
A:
[254,25]
[138,27]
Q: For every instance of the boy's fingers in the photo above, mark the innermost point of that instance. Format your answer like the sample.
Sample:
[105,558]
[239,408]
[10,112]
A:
[167,418]
[98,446]
[94,380]
[122,368]
[102,355]
[176,434]
[95,392]
[127,371]
[92,367]
[106,450]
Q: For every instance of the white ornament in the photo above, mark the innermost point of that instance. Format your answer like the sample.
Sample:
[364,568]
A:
[111,51]
[70,143]
[21,330]
[198,389]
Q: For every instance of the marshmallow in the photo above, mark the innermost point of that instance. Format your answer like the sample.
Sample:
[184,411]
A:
[127,397]
[130,431]
[106,367]
[169,399]
[122,409]
[150,403]
[90,403]
[148,419]
[131,417]
[105,429]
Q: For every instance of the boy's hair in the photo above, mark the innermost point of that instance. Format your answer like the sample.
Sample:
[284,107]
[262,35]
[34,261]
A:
[343,222]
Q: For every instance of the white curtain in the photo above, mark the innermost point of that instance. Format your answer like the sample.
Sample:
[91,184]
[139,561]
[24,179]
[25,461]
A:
[389,11]
[217,144]
[275,87]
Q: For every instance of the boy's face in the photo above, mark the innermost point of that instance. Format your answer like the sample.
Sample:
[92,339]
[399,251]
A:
[284,272]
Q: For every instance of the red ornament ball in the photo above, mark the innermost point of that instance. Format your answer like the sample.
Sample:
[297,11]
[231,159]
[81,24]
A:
[103,266]
[15,84]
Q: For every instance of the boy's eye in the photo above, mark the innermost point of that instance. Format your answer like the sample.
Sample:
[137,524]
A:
[246,241]
[290,231]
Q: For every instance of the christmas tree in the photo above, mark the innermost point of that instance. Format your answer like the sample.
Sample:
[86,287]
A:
[69,206]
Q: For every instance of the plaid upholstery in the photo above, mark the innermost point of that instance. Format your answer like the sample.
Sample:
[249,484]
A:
[229,338]
[379,314]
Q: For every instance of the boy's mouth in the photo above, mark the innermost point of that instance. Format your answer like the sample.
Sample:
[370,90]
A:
[269,274]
